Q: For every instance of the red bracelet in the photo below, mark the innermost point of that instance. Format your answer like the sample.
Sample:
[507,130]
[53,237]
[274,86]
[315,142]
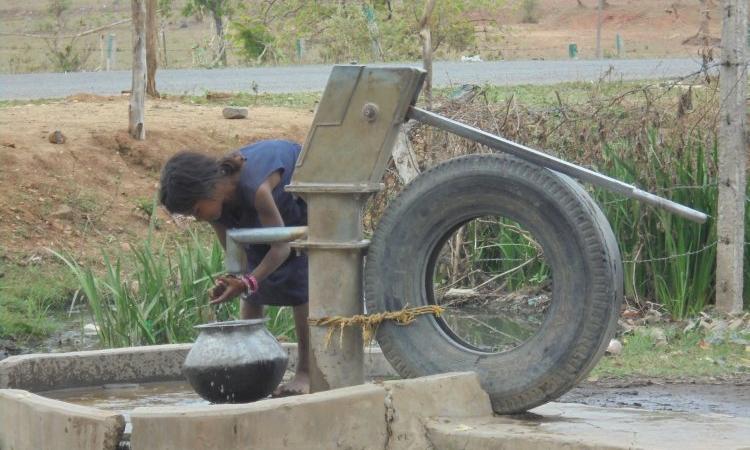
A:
[250,282]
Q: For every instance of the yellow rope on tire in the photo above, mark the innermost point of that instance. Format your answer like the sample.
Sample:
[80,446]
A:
[370,322]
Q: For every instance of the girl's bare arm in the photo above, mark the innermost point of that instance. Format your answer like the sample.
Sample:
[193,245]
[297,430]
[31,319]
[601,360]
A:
[270,216]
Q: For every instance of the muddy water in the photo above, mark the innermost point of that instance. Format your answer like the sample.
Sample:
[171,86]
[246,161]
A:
[731,399]
[125,397]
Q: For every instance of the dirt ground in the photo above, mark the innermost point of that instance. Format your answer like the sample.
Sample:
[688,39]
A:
[85,192]
[647,28]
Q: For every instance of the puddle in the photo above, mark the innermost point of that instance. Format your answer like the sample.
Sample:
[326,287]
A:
[727,399]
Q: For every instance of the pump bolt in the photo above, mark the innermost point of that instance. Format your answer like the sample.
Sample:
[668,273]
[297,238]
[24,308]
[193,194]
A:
[370,112]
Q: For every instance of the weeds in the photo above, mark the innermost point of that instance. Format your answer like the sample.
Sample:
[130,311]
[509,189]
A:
[28,296]
[680,354]
[163,297]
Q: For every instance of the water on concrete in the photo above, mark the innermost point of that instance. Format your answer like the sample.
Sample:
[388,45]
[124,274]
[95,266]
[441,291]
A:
[126,397]
[729,399]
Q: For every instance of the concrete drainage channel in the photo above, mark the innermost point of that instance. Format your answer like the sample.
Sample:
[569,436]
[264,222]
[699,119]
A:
[439,412]
[446,411]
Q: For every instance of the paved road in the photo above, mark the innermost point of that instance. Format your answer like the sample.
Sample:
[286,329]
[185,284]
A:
[313,78]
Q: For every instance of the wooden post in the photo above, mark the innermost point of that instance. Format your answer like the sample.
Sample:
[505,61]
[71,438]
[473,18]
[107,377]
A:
[732,157]
[102,55]
[138,91]
[111,51]
[599,8]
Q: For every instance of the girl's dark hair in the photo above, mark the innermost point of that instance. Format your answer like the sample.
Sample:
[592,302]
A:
[188,177]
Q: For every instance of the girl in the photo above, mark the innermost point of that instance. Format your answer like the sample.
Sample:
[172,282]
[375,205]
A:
[246,190]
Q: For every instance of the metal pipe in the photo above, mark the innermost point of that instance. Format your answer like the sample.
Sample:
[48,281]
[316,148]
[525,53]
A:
[235,259]
[550,162]
[266,235]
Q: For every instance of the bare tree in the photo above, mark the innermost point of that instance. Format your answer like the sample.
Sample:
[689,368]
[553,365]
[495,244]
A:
[152,52]
[219,9]
[425,36]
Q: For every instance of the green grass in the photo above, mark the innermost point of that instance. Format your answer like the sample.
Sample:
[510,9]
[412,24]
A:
[28,296]
[569,93]
[37,101]
[684,355]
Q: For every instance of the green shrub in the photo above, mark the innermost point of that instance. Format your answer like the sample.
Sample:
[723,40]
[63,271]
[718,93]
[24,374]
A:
[253,39]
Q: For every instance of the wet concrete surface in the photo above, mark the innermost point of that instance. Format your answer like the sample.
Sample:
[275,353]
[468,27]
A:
[728,398]
[126,397]
[572,426]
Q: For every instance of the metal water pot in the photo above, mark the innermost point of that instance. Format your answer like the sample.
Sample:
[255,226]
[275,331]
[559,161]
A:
[235,361]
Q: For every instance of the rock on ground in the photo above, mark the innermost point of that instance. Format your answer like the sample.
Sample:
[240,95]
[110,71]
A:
[234,113]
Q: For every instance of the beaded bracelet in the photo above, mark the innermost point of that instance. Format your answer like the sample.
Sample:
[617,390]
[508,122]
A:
[250,282]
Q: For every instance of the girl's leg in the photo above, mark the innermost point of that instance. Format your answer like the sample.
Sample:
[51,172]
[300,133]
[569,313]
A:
[300,384]
[250,311]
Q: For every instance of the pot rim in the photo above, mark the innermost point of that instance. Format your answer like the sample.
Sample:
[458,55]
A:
[232,324]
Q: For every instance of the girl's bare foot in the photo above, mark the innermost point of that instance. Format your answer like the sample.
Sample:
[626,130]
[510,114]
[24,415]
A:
[299,385]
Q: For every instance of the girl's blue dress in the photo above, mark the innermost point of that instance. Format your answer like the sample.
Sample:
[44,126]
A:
[286,286]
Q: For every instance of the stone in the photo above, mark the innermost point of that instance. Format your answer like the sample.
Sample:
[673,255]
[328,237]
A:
[234,113]
[62,212]
[56,137]
[29,421]
[410,402]
[346,418]
[614,347]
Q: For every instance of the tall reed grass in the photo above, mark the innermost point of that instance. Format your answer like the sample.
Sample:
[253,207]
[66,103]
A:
[157,294]
[661,137]
[666,259]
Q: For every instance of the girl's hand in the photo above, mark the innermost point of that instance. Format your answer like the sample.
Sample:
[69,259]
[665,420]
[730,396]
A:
[226,288]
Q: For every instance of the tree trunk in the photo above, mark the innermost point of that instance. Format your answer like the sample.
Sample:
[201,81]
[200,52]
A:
[732,159]
[426,37]
[152,41]
[138,91]
[218,23]
[599,8]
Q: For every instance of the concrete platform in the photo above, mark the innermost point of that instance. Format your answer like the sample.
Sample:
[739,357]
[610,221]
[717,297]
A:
[441,412]
[572,426]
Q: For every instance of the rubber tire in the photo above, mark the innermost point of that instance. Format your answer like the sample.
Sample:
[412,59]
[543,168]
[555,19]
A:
[578,244]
